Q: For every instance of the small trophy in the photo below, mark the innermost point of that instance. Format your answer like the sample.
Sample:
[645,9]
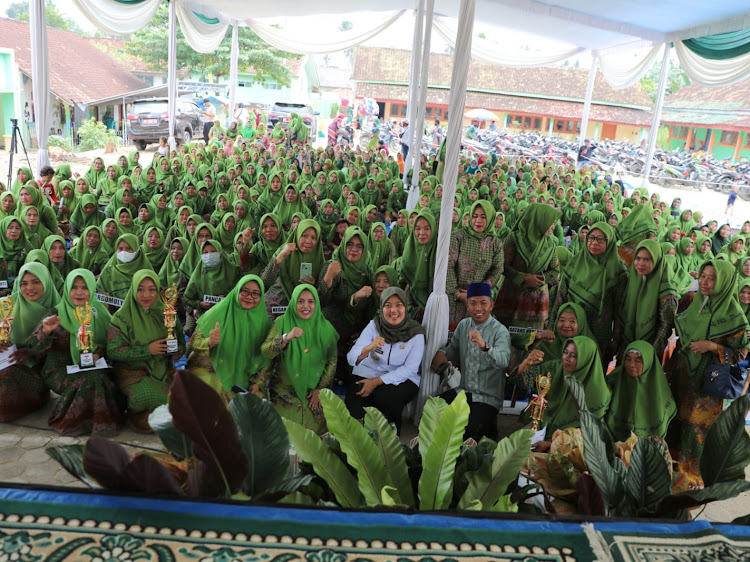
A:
[6,318]
[85,338]
[169,298]
[539,402]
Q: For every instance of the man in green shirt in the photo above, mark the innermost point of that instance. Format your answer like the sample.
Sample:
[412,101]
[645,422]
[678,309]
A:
[481,348]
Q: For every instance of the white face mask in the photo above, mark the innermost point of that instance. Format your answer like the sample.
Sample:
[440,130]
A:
[211,259]
[126,257]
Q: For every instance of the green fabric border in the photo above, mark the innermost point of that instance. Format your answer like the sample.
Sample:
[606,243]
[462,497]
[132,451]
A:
[204,19]
[721,46]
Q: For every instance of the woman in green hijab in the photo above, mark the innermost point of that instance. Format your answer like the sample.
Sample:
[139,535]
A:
[22,387]
[54,246]
[299,261]
[301,346]
[86,214]
[109,236]
[642,402]
[153,247]
[416,267]
[380,248]
[137,347]
[36,232]
[569,323]
[580,359]
[40,256]
[13,249]
[169,273]
[650,304]
[90,251]
[475,255]
[531,269]
[8,205]
[596,279]
[733,251]
[713,324]
[89,401]
[290,205]
[214,276]
[225,348]
[117,274]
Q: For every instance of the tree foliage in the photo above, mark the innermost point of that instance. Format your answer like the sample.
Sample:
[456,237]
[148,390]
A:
[150,45]
[676,79]
[20,11]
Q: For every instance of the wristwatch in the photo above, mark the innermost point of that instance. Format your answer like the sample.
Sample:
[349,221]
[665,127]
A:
[486,347]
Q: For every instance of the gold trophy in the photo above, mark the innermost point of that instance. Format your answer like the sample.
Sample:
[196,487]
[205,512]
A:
[539,402]
[6,318]
[85,338]
[169,298]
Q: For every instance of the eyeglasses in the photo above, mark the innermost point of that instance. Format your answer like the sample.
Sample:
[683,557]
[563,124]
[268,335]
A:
[597,239]
[255,295]
[353,246]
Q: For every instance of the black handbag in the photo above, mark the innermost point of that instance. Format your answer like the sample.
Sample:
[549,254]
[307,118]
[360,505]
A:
[723,381]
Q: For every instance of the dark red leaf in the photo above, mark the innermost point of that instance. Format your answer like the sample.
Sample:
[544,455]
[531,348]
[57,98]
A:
[201,414]
[146,474]
[105,461]
[590,500]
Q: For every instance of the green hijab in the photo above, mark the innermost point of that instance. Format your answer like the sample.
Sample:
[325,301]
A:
[553,350]
[711,317]
[378,250]
[156,256]
[561,409]
[12,251]
[100,320]
[356,274]
[290,265]
[640,308]
[116,276]
[192,257]
[644,404]
[489,212]
[28,314]
[237,356]
[532,244]
[417,265]
[305,358]
[141,326]
[169,274]
[90,257]
[218,280]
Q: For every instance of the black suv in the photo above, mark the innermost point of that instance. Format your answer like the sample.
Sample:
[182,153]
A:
[282,111]
[148,119]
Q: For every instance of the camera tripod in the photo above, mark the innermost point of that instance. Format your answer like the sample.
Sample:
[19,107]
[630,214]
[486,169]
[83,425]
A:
[15,137]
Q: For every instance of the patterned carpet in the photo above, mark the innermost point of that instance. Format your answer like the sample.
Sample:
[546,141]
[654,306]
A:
[61,526]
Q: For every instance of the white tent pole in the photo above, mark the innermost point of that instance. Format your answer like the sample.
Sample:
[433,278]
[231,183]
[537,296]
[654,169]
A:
[437,309]
[416,65]
[172,73]
[587,103]
[124,122]
[415,152]
[657,115]
[233,70]
[40,79]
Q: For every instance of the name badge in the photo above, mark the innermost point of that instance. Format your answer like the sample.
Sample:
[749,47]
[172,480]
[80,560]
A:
[106,299]
[3,284]
[212,298]
[278,309]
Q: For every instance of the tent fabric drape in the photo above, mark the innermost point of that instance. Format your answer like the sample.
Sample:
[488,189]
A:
[40,78]
[411,104]
[118,17]
[233,70]
[313,45]
[712,73]
[722,46]
[203,34]
[437,309]
[504,56]
[623,69]
[172,75]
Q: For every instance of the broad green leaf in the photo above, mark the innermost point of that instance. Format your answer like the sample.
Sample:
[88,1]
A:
[490,483]
[607,478]
[71,459]
[692,498]
[176,442]
[325,463]
[439,461]
[429,422]
[264,440]
[391,454]
[360,450]
[474,505]
[297,498]
[505,505]
[648,479]
[726,450]
[389,496]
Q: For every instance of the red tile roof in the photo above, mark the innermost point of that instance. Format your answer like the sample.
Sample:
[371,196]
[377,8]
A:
[514,104]
[391,66]
[79,71]
[727,107]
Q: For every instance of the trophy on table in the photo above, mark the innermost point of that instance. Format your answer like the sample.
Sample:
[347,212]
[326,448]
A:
[84,337]
[169,298]
[539,402]
[6,318]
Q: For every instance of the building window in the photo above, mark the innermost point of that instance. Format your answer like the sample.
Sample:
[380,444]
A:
[728,137]
[527,122]
[679,132]
[438,112]
[537,123]
[428,113]
[395,109]
[569,126]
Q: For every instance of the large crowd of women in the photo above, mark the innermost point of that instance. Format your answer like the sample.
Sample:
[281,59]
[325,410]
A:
[295,267]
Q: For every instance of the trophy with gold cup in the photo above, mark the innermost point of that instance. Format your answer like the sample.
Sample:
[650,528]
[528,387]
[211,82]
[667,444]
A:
[85,338]
[6,318]
[539,402]
[169,298]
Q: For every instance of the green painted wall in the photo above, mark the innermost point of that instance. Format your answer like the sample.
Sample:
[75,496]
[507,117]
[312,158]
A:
[719,151]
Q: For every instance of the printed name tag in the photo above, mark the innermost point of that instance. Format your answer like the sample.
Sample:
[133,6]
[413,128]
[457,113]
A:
[3,284]
[106,299]
[212,298]
[278,309]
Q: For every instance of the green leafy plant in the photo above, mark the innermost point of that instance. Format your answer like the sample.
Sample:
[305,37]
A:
[368,466]
[59,142]
[94,134]
[239,451]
